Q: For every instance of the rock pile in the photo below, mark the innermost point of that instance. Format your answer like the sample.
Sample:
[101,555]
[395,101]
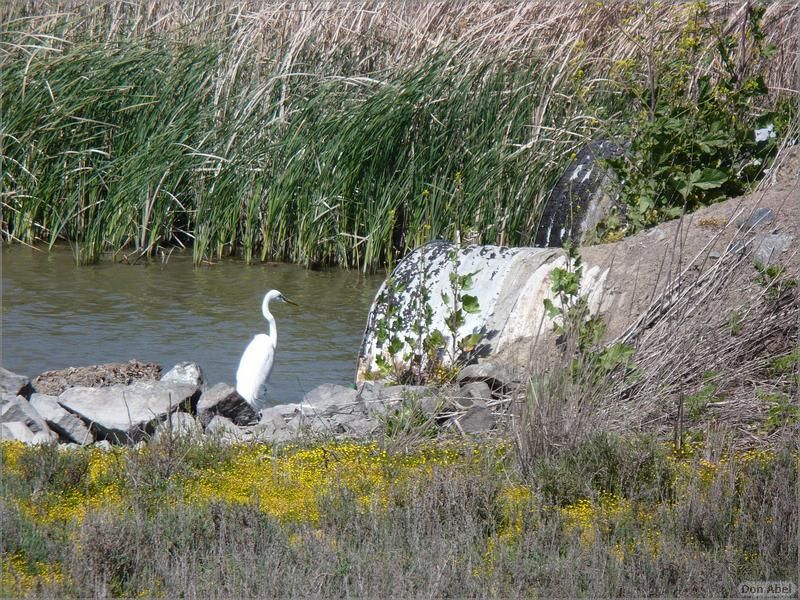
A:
[54,408]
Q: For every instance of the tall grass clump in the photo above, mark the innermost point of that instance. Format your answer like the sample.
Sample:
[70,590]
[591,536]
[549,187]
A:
[323,133]
[130,153]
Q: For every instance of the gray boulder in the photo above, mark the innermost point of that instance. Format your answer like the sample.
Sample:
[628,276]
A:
[224,400]
[761,216]
[177,424]
[370,394]
[286,434]
[126,413]
[325,426]
[17,408]
[226,430]
[103,445]
[271,422]
[22,422]
[432,405]
[14,384]
[287,422]
[353,425]
[499,376]
[327,410]
[188,373]
[379,399]
[477,419]
[278,415]
[17,431]
[329,398]
[219,424]
[295,424]
[767,247]
[63,422]
[475,392]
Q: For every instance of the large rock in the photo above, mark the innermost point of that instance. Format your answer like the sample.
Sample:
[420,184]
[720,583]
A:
[328,410]
[123,413]
[224,400]
[279,414]
[22,422]
[329,399]
[380,399]
[289,432]
[16,431]
[767,248]
[227,431]
[356,425]
[272,421]
[500,377]
[177,424]
[14,384]
[509,284]
[477,419]
[475,392]
[63,422]
[188,373]
[760,217]
[55,382]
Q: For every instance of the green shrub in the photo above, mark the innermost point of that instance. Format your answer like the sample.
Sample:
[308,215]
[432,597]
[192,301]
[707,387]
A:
[693,137]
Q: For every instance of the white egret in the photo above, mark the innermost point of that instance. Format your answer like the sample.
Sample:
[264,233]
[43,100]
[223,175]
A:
[256,362]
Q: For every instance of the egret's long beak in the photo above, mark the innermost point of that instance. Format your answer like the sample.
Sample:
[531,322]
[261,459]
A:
[285,299]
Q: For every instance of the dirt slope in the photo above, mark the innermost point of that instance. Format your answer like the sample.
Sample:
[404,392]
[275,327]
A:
[643,264]
[715,337]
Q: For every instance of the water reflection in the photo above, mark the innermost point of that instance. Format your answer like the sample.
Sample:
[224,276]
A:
[56,315]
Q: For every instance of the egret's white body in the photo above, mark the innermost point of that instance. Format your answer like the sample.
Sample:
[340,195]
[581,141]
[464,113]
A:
[256,362]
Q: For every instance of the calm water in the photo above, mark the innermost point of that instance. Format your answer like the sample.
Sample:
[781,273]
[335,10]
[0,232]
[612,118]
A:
[57,315]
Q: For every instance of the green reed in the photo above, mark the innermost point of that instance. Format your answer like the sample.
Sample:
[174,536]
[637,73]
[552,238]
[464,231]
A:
[126,146]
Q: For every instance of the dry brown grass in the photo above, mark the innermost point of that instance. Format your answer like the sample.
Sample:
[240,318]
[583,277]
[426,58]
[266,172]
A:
[395,33]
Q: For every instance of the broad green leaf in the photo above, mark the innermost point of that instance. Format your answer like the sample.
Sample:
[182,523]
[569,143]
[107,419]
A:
[685,185]
[465,281]
[435,340]
[468,342]
[708,179]
[645,203]
[614,355]
[552,310]
[455,320]
[565,282]
[470,304]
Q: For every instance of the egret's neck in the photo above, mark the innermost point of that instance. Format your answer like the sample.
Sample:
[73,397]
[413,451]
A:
[272,332]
